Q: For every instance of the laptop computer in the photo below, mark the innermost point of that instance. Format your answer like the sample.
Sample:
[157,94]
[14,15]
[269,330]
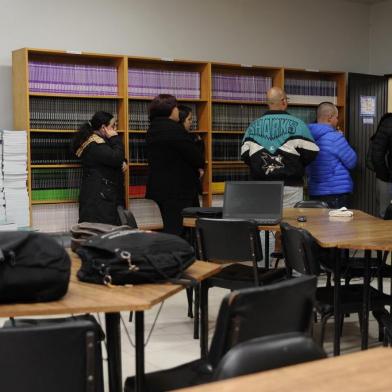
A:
[261,201]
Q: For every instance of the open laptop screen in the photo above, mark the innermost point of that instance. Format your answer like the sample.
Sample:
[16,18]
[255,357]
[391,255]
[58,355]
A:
[256,200]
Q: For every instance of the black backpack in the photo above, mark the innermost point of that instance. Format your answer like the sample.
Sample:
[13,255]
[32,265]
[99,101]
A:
[33,267]
[131,256]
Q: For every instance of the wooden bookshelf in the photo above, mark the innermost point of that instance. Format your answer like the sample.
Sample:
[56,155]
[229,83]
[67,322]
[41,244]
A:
[314,81]
[131,106]
[47,107]
[176,77]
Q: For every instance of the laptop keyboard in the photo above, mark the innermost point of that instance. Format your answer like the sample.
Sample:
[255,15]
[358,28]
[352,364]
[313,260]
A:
[267,221]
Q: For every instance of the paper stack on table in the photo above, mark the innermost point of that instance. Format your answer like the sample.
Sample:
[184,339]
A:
[14,176]
[341,212]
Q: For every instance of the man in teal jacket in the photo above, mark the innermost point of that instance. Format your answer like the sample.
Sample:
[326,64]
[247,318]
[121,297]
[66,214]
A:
[278,146]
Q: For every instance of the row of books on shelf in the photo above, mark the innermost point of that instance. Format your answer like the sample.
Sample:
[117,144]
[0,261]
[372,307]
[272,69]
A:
[137,148]
[138,115]
[137,183]
[51,148]
[14,199]
[55,217]
[230,174]
[234,117]
[55,194]
[306,114]
[56,178]
[138,191]
[326,88]
[50,77]
[151,82]
[240,87]
[66,113]
[301,91]
[226,148]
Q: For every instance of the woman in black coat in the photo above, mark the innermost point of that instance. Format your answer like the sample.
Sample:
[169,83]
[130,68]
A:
[101,151]
[174,162]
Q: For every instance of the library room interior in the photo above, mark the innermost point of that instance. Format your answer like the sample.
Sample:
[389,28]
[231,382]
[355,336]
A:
[195,195]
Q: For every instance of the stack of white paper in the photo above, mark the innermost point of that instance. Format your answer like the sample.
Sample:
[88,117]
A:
[14,168]
[2,196]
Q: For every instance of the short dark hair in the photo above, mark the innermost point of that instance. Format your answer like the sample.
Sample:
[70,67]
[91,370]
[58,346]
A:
[162,106]
[183,112]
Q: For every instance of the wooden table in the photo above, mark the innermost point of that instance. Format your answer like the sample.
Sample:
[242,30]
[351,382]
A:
[362,371]
[90,298]
[360,232]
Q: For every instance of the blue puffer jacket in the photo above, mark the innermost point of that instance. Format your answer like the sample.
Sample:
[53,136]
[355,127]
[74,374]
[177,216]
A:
[329,173]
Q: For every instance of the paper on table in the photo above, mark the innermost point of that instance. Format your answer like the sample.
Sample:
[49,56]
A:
[341,212]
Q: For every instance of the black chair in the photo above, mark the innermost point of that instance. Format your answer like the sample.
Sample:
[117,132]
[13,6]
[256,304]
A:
[311,204]
[386,320]
[378,266]
[267,352]
[49,355]
[302,254]
[243,315]
[300,204]
[233,241]
[126,217]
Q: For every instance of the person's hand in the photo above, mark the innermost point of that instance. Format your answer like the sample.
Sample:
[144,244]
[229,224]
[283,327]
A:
[110,133]
[201,173]
[124,167]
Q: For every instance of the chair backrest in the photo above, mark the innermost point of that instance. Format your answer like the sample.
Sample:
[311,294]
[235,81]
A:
[49,355]
[268,352]
[147,214]
[228,240]
[126,217]
[388,212]
[254,312]
[300,250]
[311,204]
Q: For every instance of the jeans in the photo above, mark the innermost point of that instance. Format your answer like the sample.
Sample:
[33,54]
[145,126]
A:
[335,201]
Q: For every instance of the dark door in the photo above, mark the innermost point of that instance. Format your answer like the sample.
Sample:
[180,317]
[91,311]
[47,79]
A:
[359,129]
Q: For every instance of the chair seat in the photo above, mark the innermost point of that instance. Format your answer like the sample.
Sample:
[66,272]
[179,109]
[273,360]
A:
[239,275]
[351,299]
[192,373]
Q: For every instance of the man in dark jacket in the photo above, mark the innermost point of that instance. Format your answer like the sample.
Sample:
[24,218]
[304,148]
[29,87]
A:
[278,146]
[382,162]
[329,176]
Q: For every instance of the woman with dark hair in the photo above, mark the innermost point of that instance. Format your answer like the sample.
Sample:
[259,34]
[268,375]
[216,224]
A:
[186,119]
[101,151]
[174,162]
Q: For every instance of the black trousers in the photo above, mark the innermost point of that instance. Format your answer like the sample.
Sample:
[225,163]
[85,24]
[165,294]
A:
[171,211]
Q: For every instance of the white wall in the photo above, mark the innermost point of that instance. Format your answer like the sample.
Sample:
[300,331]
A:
[329,35]
[380,59]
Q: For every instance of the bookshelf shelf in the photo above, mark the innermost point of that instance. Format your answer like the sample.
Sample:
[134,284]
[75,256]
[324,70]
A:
[40,202]
[60,95]
[55,166]
[235,102]
[224,98]
[52,130]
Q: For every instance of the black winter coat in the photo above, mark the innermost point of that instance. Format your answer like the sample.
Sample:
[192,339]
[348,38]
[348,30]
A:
[382,150]
[173,159]
[102,182]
